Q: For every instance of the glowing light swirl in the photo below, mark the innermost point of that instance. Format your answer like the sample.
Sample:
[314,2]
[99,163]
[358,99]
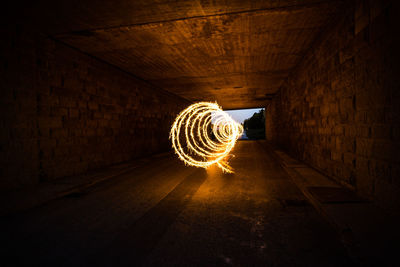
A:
[203,134]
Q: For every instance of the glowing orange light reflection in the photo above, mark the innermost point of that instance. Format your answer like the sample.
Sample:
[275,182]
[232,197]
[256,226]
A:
[192,139]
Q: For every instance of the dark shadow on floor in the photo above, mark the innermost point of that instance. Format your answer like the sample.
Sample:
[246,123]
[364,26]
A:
[131,247]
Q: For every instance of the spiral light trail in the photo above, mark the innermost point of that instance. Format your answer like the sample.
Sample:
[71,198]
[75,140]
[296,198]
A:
[203,134]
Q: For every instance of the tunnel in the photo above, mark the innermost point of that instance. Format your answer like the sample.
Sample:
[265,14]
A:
[90,172]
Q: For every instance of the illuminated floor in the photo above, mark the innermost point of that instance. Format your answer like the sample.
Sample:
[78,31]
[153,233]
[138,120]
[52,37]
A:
[164,213]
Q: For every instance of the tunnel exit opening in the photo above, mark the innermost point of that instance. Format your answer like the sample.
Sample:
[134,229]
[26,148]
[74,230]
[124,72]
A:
[252,120]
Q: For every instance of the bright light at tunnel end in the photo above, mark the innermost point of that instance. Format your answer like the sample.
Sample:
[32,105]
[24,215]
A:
[203,135]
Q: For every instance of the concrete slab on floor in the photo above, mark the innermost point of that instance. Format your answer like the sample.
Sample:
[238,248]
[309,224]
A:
[164,213]
[370,233]
[33,196]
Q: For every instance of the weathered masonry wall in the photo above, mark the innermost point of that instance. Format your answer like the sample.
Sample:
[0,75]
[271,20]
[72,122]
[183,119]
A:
[339,111]
[64,113]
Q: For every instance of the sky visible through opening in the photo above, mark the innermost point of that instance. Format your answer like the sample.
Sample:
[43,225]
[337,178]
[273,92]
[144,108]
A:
[240,115]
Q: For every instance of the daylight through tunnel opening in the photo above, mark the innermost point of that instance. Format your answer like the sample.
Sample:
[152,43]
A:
[252,120]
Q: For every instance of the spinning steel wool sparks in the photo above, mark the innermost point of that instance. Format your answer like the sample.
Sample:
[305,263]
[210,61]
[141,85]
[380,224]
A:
[203,134]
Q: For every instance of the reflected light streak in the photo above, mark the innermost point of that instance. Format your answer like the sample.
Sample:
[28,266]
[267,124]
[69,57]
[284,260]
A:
[203,135]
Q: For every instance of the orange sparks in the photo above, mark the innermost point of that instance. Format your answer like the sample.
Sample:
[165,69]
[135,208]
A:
[203,134]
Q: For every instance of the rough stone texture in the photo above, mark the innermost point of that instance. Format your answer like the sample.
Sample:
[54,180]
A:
[235,52]
[339,110]
[73,15]
[238,59]
[64,113]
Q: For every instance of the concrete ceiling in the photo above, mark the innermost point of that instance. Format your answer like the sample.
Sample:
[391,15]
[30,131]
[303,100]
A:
[237,53]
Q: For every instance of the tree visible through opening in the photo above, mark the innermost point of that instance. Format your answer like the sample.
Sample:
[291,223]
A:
[253,121]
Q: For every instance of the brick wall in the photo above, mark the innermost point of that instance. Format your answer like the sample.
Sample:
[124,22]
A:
[339,111]
[64,113]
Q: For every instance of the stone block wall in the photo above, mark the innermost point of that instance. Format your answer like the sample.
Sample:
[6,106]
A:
[64,113]
[339,111]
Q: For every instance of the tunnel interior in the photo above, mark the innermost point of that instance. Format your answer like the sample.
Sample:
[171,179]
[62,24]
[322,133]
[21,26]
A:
[90,89]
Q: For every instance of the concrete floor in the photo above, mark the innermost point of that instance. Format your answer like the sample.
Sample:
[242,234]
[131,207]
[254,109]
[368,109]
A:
[163,213]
